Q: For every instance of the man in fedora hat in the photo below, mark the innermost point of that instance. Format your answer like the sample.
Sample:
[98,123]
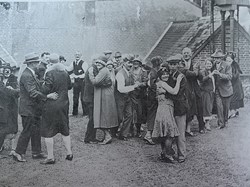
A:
[180,104]
[30,104]
[223,87]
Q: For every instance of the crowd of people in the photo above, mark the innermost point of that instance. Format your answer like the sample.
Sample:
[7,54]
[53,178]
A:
[118,94]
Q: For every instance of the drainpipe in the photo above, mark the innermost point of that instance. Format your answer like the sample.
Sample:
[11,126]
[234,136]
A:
[232,30]
[223,33]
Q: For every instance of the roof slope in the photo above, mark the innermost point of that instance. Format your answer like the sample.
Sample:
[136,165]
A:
[6,57]
[182,34]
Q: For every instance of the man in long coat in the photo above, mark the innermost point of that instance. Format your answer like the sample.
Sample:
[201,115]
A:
[30,110]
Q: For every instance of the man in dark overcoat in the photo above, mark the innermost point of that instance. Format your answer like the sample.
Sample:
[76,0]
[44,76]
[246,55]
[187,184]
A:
[30,110]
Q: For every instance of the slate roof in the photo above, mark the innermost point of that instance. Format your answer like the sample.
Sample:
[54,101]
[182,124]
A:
[5,57]
[180,34]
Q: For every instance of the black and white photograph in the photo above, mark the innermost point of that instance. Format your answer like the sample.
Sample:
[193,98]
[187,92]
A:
[124,93]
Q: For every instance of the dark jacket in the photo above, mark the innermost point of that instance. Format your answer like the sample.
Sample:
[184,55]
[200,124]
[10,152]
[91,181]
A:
[223,82]
[31,97]
[180,100]
[88,95]
[206,83]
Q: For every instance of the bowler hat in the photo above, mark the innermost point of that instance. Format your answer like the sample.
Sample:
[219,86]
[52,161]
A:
[218,54]
[174,59]
[31,57]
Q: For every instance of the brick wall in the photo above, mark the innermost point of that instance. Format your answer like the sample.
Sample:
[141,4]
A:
[243,46]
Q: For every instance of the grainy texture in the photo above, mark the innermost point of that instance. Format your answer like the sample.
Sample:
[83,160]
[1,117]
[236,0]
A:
[218,158]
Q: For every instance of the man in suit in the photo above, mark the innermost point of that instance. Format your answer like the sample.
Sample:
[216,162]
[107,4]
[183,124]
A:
[30,110]
[180,105]
[192,73]
[78,69]
[223,87]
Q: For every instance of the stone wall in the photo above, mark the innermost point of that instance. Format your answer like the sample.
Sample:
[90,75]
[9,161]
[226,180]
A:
[91,26]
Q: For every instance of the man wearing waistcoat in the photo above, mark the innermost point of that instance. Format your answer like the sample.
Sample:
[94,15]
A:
[77,71]
[223,87]
[125,86]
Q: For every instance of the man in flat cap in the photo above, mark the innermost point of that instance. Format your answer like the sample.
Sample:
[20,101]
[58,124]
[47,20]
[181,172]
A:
[107,54]
[223,87]
[180,105]
[31,99]
[138,95]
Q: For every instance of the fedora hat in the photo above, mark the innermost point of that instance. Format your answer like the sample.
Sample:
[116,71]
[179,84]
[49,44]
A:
[31,57]
[218,54]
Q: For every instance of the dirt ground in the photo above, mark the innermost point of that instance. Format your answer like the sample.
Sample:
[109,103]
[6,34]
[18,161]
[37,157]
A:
[217,158]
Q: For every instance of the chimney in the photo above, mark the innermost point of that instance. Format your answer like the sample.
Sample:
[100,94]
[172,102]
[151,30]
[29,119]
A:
[206,7]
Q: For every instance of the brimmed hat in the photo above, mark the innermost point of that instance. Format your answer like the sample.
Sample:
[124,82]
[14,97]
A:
[54,58]
[15,68]
[138,59]
[110,63]
[128,57]
[174,59]
[118,55]
[218,54]
[31,57]
[101,60]
[107,52]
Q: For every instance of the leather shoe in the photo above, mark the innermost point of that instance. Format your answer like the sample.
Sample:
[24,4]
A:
[39,156]
[69,157]
[149,141]
[18,158]
[107,141]
[189,134]
[48,161]
[123,138]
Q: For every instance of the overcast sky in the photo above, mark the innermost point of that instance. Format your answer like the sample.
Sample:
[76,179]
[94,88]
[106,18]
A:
[245,18]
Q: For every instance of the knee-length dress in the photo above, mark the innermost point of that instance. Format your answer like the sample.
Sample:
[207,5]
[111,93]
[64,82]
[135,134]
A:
[55,117]
[165,125]
[105,111]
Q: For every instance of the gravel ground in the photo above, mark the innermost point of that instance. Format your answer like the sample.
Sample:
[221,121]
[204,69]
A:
[217,158]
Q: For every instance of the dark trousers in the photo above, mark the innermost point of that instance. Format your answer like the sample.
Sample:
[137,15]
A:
[31,130]
[90,134]
[2,137]
[78,90]
[223,104]
[152,106]
[125,106]
[200,113]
